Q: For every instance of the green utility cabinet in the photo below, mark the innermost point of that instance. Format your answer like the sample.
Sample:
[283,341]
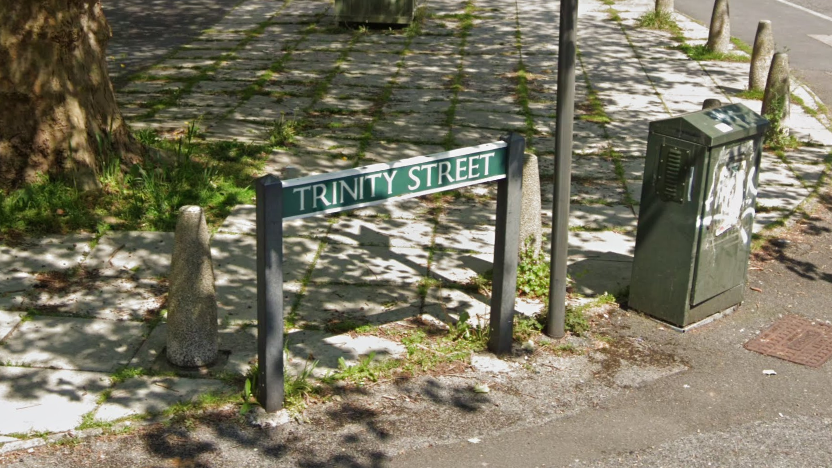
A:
[696,213]
[374,11]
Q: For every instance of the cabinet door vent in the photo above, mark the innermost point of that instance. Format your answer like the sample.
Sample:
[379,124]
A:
[672,176]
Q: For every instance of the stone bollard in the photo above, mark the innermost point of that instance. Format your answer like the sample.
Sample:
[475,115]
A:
[192,302]
[664,6]
[719,35]
[711,103]
[777,99]
[761,56]
[530,224]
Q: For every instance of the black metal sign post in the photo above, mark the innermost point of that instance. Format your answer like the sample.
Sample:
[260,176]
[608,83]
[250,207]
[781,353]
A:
[372,185]
[269,190]
[506,248]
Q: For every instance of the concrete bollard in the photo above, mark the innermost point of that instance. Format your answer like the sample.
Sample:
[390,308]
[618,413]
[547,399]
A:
[664,6]
[761,56]
[719,35]
[192,302]
[777,98]
[530,224]
[711,103]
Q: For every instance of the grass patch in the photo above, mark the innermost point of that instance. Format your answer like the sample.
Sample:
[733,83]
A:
[126,373]
[701,52]
[142,197]
[593,109]
[742,45]
[662,21]
[88,421]
[755,94]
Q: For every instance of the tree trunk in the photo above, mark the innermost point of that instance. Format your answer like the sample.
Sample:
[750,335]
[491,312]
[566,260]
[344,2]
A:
[664,6]
[57,100]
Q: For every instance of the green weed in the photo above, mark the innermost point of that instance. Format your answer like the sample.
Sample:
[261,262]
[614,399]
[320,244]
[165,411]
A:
[755,94]
[658,20]
[533,274]
[88,421]
[248,394]
[701,52]
[462,330]
[526,328]
[126,373]
[282,131]
[742,45]
[777,137]
[296,389]
[365,369]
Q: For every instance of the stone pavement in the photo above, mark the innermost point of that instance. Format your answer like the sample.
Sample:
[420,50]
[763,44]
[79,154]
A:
[365,96]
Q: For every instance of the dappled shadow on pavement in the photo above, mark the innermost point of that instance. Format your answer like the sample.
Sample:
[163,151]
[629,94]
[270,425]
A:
[144,31]
[802,250]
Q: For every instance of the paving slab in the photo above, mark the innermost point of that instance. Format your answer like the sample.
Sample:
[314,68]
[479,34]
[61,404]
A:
[308,346]
[235,258]
[493,120]
[587,167]
[473,238]
[237,130]
[786,197]
[14,281]
[601,244]
[596,216]
[411,208]
[155,87]
[43,400]
[604,273]
[382,151]
[344,307]
[153,395]
[145,254]
[370,265]
[399,129]
[591,192]
[304,162]
[460,267]
[470,136]
[73,343]
[446,305]
[382,232]
[45,254]
[243,220]
[463,212]
[123,297]
[8,320]
[763,219]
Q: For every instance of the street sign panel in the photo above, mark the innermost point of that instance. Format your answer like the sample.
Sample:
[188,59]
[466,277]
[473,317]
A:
[381,183]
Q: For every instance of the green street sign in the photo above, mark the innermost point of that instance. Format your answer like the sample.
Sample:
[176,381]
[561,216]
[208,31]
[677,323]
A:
[279,200]
[381,183]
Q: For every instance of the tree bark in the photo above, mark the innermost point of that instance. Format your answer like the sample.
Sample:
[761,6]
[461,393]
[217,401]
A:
[57,99]
[664,6]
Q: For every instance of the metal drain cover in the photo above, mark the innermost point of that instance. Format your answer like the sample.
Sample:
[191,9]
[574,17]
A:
[796,339]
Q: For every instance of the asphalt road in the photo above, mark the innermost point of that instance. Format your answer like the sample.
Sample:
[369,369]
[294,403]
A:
[794,22]
[145,30]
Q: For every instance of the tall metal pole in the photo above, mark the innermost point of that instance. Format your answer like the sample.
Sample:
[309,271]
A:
[563,166]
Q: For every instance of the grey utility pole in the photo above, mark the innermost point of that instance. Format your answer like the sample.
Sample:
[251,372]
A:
[567,47]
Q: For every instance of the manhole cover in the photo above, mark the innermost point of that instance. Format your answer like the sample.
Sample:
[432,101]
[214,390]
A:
[795,339]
